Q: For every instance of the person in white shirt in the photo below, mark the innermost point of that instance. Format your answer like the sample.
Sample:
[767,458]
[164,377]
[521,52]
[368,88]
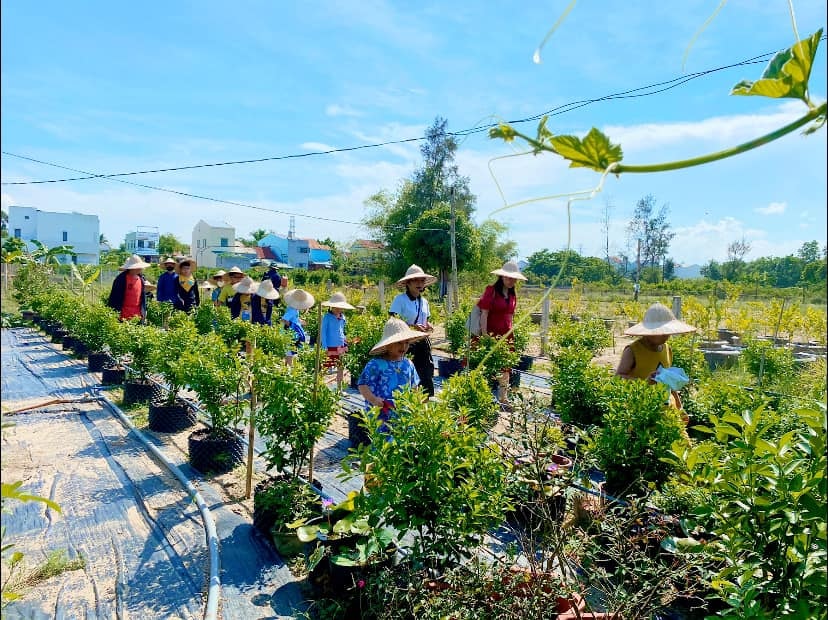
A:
[412,307]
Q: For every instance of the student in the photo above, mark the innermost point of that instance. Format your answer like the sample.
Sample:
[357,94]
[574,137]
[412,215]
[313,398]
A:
[412,307]
[187,296]
[272,274]
[218,281]
[128,295]
[642,358]
[333,333]
[233,276]
[297,301]
[497,309]
[241,302]
[165,291]
[262,302]
[390,370]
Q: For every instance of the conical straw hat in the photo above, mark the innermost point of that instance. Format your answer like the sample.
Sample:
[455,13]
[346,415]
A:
[395,330]
[659,321]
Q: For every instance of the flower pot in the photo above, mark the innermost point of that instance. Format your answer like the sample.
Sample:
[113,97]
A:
[287,543]
[166,418]
[334,580]
[58,334]
[28,315]
[79,347]
[139,392]
[352,381]
[514,378]
[215,451]
[525,363]
[68,342]
[357,434]
[449,366]
[112,376]
[96,361]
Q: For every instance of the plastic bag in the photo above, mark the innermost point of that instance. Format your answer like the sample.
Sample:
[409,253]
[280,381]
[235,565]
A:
[473,322]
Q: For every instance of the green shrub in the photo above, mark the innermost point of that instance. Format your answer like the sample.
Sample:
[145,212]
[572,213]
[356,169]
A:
[589,334]
[577,388]
[767,507]
[468,394]
[770,365]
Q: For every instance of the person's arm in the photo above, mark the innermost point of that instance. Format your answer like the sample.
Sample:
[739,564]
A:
[626,364]
[369,396]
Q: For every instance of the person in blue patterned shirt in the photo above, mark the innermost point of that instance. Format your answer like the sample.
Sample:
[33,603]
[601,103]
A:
[390,370]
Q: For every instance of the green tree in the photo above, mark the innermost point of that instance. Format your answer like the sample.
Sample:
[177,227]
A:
[430,231]
[651,229]
[168,245]
[4,222]
[437,182]
[809,252]
[50,256]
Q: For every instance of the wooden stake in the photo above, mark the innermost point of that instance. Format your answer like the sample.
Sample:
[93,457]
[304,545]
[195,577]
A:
[251,431]
[317,379]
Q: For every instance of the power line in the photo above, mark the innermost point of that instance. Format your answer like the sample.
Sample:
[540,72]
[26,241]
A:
[218,200]
[642,91]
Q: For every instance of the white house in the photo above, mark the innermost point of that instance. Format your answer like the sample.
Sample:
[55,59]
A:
[211,239]
[81,231]
[143,241]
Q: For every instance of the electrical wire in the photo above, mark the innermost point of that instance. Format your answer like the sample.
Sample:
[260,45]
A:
[642,91]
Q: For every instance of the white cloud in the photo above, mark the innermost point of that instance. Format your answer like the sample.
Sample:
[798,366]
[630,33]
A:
[774,208]
[317,146]
[335,109]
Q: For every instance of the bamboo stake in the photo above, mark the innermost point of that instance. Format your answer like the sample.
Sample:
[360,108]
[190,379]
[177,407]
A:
[316,380]
[251,431]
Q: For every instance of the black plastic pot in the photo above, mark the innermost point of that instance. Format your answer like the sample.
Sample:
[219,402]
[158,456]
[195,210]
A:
[139,392]
[357,434]
[514,378]
[68,342]
[58,335]
[112,376]
[215,451]
[79,347]
[525,363]
[449,366]
[96,361]
[165,418]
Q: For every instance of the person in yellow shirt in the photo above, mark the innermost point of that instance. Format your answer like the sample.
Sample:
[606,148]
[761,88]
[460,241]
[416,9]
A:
[643,358]
[234,276]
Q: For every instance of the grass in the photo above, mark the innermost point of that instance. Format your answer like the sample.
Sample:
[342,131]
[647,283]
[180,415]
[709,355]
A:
[16,578]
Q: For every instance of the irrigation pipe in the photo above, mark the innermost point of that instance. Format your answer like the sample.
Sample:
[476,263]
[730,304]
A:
[214,587]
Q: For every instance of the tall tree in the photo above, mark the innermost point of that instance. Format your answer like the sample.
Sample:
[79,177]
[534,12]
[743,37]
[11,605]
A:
[809,252]
[652,230]
[736,252]
[418,213]
[4,222]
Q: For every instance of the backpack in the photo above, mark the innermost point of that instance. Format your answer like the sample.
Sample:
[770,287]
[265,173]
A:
[473,322]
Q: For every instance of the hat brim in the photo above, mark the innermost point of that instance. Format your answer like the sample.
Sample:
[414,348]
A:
[193,265]
[342,305]
[670,328]
[409,336]
[299,304]
[272,295]
[127,267]
[508,274]
[245,290]
[416,276]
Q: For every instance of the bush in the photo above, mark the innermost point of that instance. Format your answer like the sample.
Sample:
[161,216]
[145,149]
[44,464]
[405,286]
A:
[590,334]
[577,388]
[770,365]
[469,395]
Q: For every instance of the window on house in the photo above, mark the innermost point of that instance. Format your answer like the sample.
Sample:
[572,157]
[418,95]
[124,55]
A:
[141,243]
[25,217]
[17,233]
[204,243]
[304,250]
[65,236]
[151,244]
[224,242]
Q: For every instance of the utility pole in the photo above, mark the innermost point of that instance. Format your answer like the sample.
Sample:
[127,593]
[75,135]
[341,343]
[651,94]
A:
[455,298]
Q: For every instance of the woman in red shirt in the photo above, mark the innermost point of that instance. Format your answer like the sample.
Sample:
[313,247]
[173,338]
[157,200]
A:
[128,293]
[497,307]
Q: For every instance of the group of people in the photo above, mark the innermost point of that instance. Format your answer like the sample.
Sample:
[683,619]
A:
[406,332]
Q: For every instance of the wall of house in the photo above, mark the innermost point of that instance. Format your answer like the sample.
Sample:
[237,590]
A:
[210,241]
[78,230]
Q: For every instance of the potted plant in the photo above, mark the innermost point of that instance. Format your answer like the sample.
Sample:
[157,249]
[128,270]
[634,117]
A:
[469,396]
[457,336]
[141,342]
[437,483]
[172,414]
[96,323]
[219,377]
[280,501]
[491,355]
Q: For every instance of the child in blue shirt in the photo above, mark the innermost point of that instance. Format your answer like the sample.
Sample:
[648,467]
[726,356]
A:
[297,301]
[333,334]
[390,370]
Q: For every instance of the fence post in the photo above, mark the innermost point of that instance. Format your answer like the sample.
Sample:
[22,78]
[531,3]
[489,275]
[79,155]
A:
[677,306]
[381,294]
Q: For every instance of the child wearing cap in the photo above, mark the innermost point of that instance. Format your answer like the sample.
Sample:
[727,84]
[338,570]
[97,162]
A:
[390,370]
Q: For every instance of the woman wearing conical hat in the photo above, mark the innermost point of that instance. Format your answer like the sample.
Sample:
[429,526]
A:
[261,303]
[297,301]
[413,308]
[187,296]
[128,295]
[645,356]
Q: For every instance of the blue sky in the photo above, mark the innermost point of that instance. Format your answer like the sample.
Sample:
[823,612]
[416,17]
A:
[110,87]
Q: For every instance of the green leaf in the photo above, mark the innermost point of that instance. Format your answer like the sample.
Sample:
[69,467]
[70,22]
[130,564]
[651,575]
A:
[594,151]
[787,73]
[504,131]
